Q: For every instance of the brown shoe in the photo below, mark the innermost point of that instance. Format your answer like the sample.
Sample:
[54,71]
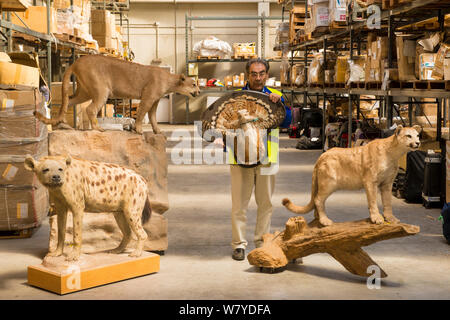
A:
[238,254]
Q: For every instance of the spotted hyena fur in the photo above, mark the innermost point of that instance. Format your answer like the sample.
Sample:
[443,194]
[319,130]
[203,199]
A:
[80,185]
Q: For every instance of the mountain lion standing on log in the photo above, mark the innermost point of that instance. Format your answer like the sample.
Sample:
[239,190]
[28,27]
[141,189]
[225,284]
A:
[100,77]
[371,166]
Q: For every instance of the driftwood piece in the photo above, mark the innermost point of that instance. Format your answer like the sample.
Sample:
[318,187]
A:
[343,241]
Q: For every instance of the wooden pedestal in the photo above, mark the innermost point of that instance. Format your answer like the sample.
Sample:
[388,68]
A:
[91,270]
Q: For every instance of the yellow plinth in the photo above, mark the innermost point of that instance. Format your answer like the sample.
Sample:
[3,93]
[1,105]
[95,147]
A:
[91,270]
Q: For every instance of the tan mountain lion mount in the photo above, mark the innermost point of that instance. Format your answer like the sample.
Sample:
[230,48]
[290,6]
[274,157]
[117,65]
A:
[100,77]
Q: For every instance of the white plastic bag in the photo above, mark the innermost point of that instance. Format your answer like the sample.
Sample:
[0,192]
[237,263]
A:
[212,46]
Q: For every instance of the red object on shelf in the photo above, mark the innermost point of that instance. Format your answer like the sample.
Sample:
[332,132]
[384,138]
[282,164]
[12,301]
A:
[211,82]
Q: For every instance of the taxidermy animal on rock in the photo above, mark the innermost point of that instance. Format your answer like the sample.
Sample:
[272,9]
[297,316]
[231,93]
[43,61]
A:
[373,166]
[101,77]
[80,185]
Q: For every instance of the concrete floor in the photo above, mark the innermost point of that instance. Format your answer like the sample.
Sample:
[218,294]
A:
[198,264]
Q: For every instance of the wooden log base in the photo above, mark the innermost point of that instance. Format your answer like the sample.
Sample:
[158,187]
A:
[343,241]
[91,270]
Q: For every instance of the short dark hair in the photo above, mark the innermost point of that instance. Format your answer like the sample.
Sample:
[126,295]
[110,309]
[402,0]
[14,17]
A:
[256,60]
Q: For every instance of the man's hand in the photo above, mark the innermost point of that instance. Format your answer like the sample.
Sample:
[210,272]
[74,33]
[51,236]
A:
[274,97]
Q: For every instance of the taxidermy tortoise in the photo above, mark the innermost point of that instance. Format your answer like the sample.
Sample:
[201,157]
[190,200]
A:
[222,115]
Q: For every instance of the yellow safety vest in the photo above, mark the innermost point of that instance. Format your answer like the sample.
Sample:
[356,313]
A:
[272,139]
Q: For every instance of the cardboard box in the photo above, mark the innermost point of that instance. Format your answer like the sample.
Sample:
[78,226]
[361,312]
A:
[320,16]
[35,18]
[430,108]
[242,79]
[406,52]
[15,5]
[427,65]
[202,82]
[17,121]
[438,72]
[25,201]
[100,16]
[107,111]
[447,69]
[228,81]
[22,70]
[382,48]
[56,104]
[192,69]
[102,28]
[56,92]
[419,51]
[25,206]
[341,69]
[430,43]
[103,41]
[338,10]
[61,4]
[17,74]
[236,80]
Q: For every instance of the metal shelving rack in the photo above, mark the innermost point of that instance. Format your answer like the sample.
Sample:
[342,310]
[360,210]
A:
[37,39]
[52,43]
[262,41]
[355,33]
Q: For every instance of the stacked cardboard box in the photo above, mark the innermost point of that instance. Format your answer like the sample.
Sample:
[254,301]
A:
[61,4]
[447,68]
[18,69]
[35,18]
[81,17]
[319,16]
[101,27]
[338,11]
[426,65]
[377,53]
[439,63]
[24,200]
[237,80]
[341,69]
[406,58]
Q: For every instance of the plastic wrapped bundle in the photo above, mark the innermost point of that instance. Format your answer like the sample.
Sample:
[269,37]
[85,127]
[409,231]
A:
[356,72]
[65,21]
[212,46]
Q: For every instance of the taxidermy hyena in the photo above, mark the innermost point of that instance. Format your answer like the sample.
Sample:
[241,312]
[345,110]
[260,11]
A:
[80,185]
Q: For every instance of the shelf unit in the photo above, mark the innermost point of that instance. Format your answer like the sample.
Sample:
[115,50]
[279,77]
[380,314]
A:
[353,37]
[261,54]
[56,46]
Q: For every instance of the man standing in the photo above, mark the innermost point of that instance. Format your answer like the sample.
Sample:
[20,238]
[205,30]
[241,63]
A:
[244,178]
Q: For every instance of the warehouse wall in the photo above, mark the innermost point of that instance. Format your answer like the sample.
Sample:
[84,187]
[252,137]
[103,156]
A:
[171,19]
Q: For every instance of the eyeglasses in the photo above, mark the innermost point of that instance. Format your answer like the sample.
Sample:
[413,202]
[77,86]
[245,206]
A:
[256,74]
